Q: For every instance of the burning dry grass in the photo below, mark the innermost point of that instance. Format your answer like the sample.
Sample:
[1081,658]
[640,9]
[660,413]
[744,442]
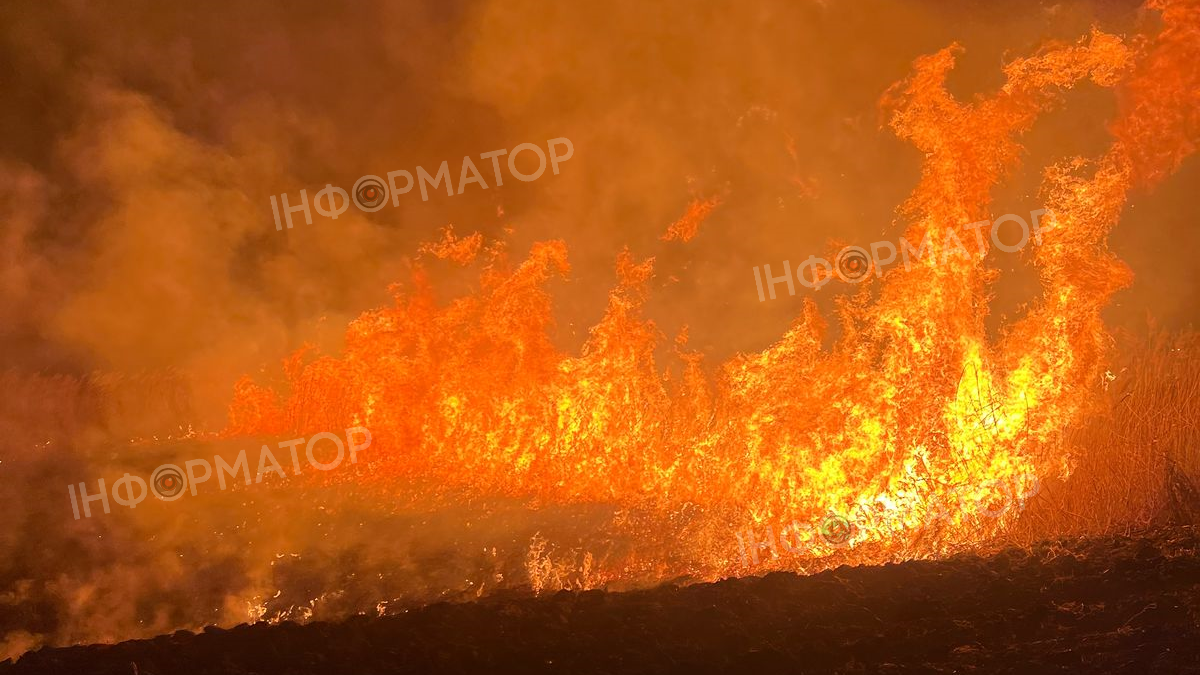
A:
[1133,466]
[913,403]
[601,468]
[1135,461]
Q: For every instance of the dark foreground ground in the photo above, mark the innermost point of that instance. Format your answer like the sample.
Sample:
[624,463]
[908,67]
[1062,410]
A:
[1111,605]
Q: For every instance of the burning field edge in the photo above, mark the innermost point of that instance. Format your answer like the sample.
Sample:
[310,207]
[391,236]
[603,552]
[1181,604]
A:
[1107,604]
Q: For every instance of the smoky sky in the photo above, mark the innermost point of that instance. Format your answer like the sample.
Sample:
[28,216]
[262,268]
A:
[143,140]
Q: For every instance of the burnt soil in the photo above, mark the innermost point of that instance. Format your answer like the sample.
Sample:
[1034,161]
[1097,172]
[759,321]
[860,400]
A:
[1101,605]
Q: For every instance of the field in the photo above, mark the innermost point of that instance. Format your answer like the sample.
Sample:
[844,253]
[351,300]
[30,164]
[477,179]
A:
[1131,491]
[1100,605]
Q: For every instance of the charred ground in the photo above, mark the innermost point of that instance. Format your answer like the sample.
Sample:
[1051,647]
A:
[1099,605]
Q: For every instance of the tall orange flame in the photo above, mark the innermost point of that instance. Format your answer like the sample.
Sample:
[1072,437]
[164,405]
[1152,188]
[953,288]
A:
[911,403]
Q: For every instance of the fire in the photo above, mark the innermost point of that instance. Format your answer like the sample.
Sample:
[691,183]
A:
[913,404]
[686,227]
